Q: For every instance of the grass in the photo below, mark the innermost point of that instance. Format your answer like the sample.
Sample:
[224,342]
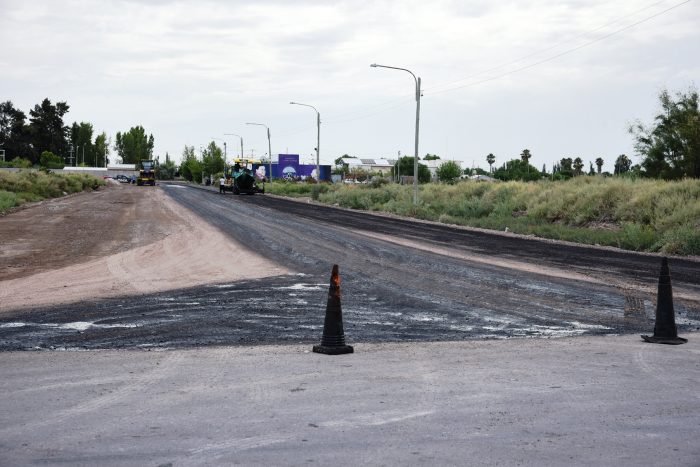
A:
[17,188]
[639,215]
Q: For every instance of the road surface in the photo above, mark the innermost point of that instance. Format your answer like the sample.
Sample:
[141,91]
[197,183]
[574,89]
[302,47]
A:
[207,360]
[401,281]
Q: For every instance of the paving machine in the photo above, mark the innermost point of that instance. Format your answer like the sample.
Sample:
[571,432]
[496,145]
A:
[147,173]
[241,179]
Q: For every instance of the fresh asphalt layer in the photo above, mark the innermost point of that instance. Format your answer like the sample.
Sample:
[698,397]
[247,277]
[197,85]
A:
[606,400]
[391,292]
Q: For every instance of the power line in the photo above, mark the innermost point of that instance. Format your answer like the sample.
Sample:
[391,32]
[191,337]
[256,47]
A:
[547,49]
[566,52]
[390,105]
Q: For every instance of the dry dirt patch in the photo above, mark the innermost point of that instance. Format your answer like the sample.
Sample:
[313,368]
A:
[120,240]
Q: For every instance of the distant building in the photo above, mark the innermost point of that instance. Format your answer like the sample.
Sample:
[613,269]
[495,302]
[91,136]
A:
[382,166]
[434,164]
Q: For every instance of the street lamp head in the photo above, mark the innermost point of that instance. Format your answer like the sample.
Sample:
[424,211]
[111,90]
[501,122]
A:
[292,102]
[373,65]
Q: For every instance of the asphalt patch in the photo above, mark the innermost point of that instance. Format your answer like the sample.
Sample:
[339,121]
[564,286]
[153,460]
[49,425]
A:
[280,310]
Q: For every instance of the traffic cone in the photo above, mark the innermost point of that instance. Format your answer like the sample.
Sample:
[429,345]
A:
[333,340]
[665,331]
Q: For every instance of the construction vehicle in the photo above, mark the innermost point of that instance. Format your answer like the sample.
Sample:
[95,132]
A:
[241,178]
[147,173]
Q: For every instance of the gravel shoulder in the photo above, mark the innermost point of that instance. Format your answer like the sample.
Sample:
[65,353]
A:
[117,241]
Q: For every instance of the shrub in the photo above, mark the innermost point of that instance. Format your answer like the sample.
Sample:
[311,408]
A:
[50,160]
[17,163]
[19,188]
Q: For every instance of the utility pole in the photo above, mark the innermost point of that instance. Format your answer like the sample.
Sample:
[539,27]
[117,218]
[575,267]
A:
[415,161]
[318,140]
[269,146]
[241,138]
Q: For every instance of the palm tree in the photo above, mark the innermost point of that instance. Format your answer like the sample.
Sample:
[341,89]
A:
[490,159]
[525,156]
[578,166]
[599,162]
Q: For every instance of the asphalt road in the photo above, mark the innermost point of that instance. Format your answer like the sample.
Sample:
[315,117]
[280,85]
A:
[212,392]
[401,281]
[602,401]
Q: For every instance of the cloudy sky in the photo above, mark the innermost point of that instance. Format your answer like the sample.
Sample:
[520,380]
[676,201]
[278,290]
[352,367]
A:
[562,78]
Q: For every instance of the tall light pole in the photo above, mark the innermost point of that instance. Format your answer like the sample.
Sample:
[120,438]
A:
[415,161]
[221,139]
[269,146]
[318,139]
[233,134]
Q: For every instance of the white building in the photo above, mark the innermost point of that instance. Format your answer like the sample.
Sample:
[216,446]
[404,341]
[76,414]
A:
[383,166]
[433,165]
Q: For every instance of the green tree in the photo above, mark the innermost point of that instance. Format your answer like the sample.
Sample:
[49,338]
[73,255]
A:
[517,169]
[599,162]
[341,166]
[405,167]
[212,159]
[622,164]
[359,174]
[566,167]
[14,132]
[101,148]
[525,156]
[46,128]
[578,166]
[448,171]
[490,158]
[670,148]
[431,157]
[166,170]
[81,140]
[134,146]
[191,167]
[50,160]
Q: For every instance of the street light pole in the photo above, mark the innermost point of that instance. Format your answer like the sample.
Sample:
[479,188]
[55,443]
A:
[415,161]
[233,134]
[318,140]
[224,141]
[269,146]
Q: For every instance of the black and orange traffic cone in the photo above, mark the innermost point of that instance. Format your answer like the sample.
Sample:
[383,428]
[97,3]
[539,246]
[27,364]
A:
[665,330]
[333,340]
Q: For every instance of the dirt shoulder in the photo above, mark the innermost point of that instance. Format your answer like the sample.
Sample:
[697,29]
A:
[118,240]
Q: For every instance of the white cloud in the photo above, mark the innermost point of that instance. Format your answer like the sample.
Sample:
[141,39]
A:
[191,70]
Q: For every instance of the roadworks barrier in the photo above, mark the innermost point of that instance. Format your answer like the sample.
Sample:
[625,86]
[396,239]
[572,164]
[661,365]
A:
[665,330]
[333,340]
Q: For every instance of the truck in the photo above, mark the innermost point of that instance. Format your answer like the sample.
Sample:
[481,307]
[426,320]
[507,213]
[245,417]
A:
[147,173]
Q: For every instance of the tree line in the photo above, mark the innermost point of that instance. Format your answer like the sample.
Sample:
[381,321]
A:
[669,148]
[45,139]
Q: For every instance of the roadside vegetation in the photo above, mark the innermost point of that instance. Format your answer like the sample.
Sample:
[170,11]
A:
[651,206]
[625,212]
[17,188]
